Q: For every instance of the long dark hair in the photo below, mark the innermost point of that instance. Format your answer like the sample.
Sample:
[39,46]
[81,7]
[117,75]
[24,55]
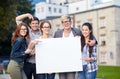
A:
[90,38]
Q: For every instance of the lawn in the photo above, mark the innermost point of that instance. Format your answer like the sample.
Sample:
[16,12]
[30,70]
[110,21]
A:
[109,72]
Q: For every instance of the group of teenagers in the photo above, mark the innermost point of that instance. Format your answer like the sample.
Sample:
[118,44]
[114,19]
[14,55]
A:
[22,63]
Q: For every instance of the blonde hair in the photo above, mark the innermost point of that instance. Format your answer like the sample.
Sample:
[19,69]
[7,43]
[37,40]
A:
[64,17]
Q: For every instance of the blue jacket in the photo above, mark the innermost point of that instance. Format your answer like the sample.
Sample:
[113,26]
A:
[18,50]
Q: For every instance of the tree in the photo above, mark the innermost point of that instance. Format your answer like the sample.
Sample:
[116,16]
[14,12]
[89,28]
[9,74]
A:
[9,9]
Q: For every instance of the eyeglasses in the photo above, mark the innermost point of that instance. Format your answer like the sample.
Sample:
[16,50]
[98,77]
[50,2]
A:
[47,27]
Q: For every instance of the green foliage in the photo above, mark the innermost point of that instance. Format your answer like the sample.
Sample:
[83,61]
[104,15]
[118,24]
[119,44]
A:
[109,72]
[24,6]
[9,9]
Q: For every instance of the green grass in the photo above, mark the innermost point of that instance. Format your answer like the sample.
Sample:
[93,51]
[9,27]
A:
[109,72]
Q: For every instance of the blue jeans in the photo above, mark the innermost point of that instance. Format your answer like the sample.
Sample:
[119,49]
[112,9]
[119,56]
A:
[86,75]
[44,76]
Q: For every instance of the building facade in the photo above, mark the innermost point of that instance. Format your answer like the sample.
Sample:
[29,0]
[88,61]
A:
[45,10]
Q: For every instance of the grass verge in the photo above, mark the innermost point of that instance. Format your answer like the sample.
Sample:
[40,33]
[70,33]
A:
[109,72]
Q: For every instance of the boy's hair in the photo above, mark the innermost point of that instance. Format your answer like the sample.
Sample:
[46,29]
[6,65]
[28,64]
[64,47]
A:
[34,18]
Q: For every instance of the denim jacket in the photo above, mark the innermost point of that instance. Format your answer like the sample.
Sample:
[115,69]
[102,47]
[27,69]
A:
[18,50]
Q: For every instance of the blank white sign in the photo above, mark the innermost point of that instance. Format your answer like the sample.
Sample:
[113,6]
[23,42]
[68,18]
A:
[58,55]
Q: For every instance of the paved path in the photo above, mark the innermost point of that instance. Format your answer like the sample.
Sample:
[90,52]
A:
[4,76]
[57,77]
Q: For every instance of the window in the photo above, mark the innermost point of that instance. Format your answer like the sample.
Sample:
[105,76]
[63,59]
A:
[78,24]
[50,10]
[102,22]
[60,10]
[90,21]
[38,10]
[103,35]
[77,8]
[55,10]
[103,43]
[42,9]
[103,57]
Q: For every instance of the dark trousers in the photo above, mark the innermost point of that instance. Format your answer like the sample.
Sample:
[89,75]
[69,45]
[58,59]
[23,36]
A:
[30,69]
[67,75]
[44,76]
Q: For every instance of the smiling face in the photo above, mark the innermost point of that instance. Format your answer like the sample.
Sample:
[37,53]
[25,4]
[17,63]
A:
[23,31]
[66,24]
[86,31]
[34,25]
[46,28]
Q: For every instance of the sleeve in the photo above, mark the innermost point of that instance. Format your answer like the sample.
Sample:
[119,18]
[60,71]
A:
[16,51]
[55,35]
[77,31]
[95,40]
[94,53]
[18,22]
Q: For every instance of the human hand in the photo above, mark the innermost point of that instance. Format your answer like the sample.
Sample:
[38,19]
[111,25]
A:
[36,41]
[28,51]
[29,16]
[33,52]
[88,59]
[91,42]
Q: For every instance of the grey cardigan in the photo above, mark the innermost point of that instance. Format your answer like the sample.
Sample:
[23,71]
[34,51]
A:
[75,31]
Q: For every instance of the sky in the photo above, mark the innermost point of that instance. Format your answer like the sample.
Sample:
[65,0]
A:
[36,1]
